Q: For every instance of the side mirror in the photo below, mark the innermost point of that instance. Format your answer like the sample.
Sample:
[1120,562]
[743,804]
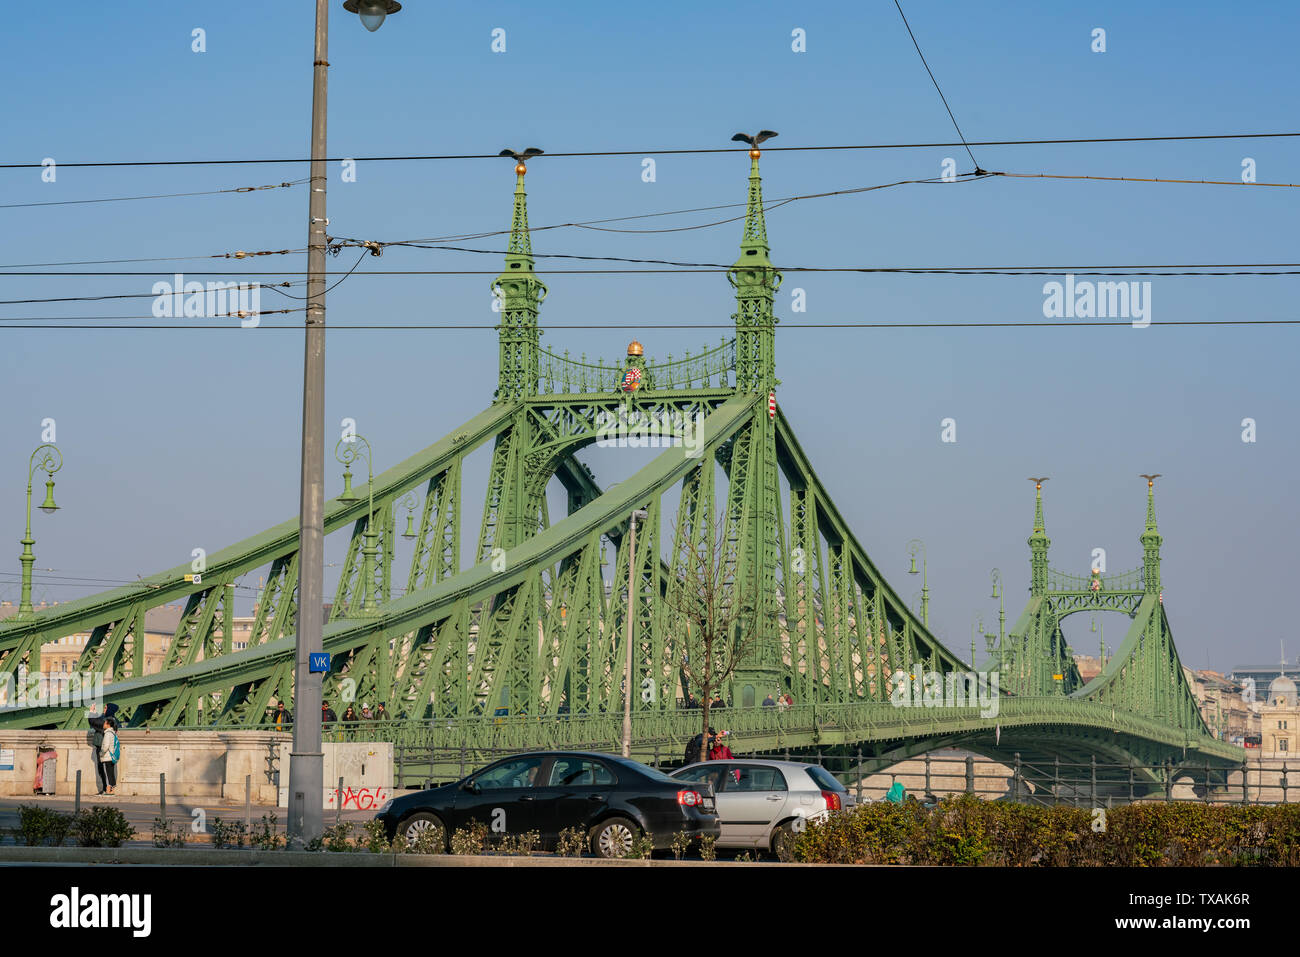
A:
[469,785]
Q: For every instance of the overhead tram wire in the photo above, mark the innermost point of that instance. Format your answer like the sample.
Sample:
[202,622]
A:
[1210,270]
[595,223]
[955,125]
[127,199]
[1057,141]
[480,327]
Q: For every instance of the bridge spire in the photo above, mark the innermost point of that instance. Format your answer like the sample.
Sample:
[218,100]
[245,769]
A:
[519,294]
[1038,543]
[1151,539]
[756,281]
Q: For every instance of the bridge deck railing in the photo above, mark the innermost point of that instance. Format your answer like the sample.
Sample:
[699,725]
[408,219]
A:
[1088,784]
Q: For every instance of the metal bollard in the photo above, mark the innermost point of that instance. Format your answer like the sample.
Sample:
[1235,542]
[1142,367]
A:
[76,807]
[248,802]
[162,795]
[338,803]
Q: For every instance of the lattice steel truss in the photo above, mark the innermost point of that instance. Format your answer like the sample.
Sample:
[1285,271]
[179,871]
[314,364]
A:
[523,645]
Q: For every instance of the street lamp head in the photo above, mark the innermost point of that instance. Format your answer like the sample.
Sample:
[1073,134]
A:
[640,514]
[48,506]
[912,570]
[372,12]
[348,495]
[410,526]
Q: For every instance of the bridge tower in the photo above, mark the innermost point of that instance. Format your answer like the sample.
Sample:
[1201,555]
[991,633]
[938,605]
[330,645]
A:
[754,511]
[1151,540]
[1038,544]
[520,294]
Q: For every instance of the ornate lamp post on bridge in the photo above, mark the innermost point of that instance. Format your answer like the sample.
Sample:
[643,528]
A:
[1102,633]
[409,501]
[307,762]
[347,451]
[914,546]
[50,461]
[996,576]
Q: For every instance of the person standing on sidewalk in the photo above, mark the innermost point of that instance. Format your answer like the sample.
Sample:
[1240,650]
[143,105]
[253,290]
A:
[110,752]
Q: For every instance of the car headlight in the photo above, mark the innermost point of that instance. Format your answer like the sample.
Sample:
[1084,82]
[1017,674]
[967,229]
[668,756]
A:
[387,805]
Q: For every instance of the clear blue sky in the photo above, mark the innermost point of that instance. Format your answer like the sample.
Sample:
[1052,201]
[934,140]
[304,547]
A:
[176,440]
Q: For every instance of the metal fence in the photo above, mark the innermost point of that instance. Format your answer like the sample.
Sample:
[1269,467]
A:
[1091,783]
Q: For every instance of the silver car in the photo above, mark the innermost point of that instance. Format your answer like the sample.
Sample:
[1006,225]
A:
[764,804]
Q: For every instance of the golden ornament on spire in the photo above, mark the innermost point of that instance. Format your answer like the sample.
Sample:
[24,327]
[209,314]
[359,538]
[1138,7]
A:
[634,348]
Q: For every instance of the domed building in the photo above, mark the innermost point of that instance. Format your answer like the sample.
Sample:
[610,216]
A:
[1282,692]
[1279,717]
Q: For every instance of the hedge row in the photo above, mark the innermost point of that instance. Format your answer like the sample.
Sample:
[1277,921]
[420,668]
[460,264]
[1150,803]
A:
[967,831]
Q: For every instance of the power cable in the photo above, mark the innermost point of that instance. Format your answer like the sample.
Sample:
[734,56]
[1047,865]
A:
[668,152]
[960,134]
[1079,323]
[126,199]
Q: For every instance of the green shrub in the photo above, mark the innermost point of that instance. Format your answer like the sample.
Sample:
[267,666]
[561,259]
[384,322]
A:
[375,838]
[165,836]
[470,840]
[572,843]
[228,835]
[37,825]
[966,831]
[102,827]
[339,837]
[428,841]
[519,845]
[643,847]
[708,848]
[265,836]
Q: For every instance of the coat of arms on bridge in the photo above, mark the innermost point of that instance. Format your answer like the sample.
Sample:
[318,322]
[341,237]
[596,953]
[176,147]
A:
[632,377]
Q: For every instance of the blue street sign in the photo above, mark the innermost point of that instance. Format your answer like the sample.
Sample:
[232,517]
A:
[318,662]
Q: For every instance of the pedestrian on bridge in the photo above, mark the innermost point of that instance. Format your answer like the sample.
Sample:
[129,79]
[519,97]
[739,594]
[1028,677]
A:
[110,752]
[720,751]
[282,718]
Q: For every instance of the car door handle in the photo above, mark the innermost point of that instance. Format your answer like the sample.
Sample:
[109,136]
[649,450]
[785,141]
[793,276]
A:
[595,797]
[775,797]
[527,797]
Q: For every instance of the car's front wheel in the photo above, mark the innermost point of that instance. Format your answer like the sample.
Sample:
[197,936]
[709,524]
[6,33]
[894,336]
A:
[613,837]
[424,831]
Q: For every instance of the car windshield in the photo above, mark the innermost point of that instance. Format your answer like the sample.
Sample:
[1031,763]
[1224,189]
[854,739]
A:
[824,779]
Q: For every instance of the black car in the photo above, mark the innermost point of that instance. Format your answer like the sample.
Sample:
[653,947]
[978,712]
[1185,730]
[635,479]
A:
[612,799]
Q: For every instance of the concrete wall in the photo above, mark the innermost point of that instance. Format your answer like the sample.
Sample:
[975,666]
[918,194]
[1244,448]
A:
[205,765]
[366,768]
[200,765]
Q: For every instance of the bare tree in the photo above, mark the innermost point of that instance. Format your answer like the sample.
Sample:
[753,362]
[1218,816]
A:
[713,637]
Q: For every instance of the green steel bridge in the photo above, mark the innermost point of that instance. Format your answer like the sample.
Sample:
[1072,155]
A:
[524,645]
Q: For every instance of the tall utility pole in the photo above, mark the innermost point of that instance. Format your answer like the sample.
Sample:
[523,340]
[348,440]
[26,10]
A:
[306,762]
